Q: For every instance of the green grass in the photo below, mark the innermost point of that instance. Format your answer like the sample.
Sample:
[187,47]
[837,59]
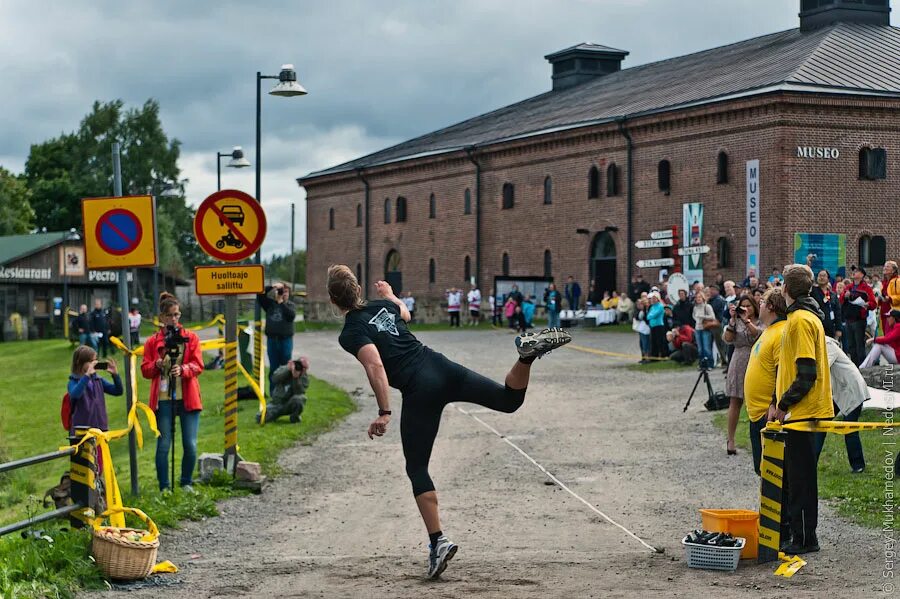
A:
[36,374]
[857,497]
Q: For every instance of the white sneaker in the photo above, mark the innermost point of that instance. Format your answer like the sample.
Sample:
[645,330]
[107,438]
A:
[439,555]
[543,342]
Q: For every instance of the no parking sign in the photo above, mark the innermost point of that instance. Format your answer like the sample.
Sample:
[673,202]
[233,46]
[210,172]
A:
[119,232]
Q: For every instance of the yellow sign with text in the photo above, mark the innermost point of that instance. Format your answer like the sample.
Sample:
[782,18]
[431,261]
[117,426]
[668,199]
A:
[229,280]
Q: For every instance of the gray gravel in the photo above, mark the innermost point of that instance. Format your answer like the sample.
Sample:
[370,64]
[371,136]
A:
[341,521]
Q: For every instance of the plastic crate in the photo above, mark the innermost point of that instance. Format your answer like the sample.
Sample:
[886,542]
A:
[712,557]
[740,523]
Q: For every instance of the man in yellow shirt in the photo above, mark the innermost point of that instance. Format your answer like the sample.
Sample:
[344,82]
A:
[803,392]
[759,380]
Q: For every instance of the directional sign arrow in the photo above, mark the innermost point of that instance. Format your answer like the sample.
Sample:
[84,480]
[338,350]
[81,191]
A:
[693,250]
[667,234]
[656,262]
[653,243]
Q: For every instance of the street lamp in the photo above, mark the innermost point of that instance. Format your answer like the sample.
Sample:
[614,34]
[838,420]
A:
[169,190]
[237,161]
[287,87]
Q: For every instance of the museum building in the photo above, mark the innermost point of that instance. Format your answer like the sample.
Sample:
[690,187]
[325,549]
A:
[756,154]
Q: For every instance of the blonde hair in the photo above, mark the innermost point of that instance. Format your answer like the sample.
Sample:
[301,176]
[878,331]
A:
[774,299]
[343,288]
[798,280]
[893,265]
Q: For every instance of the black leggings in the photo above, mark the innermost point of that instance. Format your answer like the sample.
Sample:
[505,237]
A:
[437,383]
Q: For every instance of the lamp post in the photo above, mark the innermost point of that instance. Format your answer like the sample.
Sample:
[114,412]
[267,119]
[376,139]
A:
[287,87]
[237,161]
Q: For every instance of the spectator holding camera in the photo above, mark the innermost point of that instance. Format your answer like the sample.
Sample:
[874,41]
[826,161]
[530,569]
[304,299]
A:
[289,385]
[173,354]
[856,302]
[742,331]
[280,314]
[87,391]
[828,304]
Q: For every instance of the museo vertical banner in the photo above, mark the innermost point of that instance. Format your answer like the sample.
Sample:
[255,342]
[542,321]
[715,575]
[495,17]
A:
[692,227]
[753,216]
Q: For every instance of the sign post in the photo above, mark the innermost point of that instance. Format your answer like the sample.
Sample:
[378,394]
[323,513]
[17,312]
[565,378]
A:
[230,226]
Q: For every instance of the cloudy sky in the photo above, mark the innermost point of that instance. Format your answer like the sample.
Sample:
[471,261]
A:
[378,71]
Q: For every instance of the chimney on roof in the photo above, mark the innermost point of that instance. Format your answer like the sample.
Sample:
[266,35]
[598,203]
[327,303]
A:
[821,13]
[583,62]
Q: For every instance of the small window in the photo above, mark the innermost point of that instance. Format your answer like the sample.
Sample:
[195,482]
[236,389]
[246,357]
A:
[594,183]
[331,219]
[509,197]
[865,245]
[387,211]
[722,168]
[432,207]
[612,180]
[467,269]
[431,271]
[548,264]
[723,250]
[878,251]
[505,264]
[664,173]
[359,273]
[359,215]
[548,190]
[467,202]
[401,209]
[872,163]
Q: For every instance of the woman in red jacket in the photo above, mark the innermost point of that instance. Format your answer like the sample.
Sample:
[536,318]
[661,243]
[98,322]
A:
[888,345]
[173,355]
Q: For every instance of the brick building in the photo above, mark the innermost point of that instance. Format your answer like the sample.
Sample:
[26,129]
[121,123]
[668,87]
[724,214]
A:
[787,142]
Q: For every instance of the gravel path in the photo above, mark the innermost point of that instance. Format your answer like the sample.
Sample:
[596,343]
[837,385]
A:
[341,521]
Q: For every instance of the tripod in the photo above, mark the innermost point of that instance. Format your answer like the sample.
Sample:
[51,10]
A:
[703,376]
[172,353]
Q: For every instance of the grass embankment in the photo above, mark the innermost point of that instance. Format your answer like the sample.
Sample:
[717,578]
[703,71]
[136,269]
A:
[857,497]
[35,374]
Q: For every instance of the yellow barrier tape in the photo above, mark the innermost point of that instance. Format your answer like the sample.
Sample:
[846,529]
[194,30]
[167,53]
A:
[113,495]
[612,354]
[259,394]
[791,565]
[218,318]
[828,426]
[136,404]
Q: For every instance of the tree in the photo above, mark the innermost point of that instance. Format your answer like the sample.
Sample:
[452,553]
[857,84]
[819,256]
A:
[16,214]
[279,267]
[61,171]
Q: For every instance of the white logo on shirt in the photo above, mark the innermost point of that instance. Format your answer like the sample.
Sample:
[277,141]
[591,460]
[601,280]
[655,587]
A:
[385,321]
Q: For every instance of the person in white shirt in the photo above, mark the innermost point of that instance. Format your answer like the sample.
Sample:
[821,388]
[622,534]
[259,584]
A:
[410,302]
[473,298]
[454,300]
[134,326]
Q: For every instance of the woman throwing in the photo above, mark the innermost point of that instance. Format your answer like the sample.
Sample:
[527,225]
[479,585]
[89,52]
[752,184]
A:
[376,334]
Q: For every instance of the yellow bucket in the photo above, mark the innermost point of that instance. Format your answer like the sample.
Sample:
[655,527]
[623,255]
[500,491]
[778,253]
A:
[740,523]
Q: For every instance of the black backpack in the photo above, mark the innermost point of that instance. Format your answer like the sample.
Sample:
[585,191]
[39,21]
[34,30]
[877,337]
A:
[719,401]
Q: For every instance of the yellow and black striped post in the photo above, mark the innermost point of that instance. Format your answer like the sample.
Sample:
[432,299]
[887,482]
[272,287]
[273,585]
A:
[257,347]
[83,475]
[231,457]
[771,469]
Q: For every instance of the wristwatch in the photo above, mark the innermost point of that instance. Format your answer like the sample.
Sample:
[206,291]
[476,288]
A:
[384,412]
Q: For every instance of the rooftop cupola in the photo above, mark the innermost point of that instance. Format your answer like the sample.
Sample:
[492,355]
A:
[821,13]
[584,62]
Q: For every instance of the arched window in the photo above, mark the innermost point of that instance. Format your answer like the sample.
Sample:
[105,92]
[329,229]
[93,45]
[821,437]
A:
[865,250]
[467,269]
[331,219]
[505,264]
[387,211]
[594,182]
[548,190]
[431,271]
[612,180]
[722,168]
[723,251]
[664,174]
[359,273]
[432,207]
[359,215]
[401,209]
[467,202]
[548,264]
[509,197]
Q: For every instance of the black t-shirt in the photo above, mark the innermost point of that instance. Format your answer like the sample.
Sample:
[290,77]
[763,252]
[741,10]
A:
[379,322]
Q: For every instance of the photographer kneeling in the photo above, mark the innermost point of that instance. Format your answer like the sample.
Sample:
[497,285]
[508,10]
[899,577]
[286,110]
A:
[289,384]
[684,350]
[173,353]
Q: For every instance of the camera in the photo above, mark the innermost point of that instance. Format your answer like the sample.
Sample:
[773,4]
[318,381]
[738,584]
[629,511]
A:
[101,366]
[173,339]
[739,310]
[280,290]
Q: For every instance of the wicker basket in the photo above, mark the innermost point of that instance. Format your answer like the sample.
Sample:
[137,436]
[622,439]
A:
[121,559]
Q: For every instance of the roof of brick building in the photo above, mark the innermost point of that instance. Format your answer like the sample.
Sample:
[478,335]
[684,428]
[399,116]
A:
[842,58]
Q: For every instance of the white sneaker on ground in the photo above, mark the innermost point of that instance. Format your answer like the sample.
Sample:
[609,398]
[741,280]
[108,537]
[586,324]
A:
[540,343]
[439,555]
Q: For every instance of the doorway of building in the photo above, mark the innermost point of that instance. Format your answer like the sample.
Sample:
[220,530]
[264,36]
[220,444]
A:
[603,265]
[392,273]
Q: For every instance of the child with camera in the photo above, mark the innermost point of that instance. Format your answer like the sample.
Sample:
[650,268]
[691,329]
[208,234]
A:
[87,390]
[173,354]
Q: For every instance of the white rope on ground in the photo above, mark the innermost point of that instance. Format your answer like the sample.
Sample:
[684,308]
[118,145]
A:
[557,481]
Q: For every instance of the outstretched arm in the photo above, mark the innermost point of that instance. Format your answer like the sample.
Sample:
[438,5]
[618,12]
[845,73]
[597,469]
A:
[369,357]
[384,291]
